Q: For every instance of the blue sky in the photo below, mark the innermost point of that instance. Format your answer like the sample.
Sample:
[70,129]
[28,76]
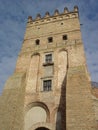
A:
[13,18]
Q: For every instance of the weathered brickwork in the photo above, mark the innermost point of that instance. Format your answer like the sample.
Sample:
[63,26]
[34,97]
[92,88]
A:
[50,87]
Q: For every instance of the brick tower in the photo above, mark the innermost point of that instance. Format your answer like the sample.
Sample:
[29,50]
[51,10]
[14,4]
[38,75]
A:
[50,88]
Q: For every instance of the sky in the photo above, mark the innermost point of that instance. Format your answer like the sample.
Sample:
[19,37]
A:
[13,19]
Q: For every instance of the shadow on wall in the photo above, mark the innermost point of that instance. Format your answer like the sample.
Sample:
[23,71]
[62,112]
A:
[61,112]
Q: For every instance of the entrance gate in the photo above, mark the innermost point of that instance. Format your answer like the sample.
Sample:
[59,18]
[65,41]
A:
[42,128]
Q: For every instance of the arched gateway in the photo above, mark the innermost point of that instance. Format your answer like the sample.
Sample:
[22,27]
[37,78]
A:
[42,128]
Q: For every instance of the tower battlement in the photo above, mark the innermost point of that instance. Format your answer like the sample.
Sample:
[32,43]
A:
[56,16]
[53,25]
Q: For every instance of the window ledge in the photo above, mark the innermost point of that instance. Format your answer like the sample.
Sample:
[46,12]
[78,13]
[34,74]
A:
[48,64]
[47,91]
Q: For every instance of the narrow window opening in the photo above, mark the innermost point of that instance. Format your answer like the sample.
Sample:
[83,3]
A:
[50,39]
[47,85]
[48,58]
[65,37]
[37,42]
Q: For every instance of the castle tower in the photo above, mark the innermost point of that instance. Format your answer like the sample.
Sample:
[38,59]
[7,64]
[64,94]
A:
[50,88]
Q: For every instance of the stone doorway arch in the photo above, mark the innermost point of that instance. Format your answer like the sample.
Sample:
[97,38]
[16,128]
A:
[42,128]
[44,125]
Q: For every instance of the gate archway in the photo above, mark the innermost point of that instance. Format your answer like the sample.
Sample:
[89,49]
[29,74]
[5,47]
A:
[42,128]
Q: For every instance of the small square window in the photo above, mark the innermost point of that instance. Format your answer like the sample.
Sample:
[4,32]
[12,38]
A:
[50,39]
[47,85]
[65,37]
[48,58]
[37,42]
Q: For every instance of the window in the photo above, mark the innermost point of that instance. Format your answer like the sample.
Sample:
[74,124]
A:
[65,37]
[48,61]
[47,85]
[48,58]
[37,42]
[50,39]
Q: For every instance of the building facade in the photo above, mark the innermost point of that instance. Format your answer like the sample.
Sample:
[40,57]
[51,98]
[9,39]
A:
[50,88]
